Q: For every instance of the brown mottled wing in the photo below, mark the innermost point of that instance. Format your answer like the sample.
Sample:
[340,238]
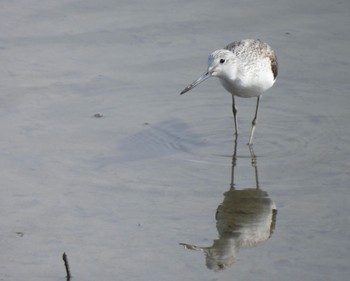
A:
[265,49]
[274,64]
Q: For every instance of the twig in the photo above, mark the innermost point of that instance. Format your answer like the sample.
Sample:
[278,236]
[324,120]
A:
[66,264]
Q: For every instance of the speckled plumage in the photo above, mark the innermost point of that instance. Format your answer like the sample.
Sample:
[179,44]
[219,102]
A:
[246,68]
[261,50]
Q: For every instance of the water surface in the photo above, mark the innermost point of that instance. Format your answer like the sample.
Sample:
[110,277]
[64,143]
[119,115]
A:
[120,193]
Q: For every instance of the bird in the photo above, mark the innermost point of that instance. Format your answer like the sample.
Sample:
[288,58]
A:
[245,68]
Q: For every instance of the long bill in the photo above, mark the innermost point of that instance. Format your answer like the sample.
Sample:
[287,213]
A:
[204,77]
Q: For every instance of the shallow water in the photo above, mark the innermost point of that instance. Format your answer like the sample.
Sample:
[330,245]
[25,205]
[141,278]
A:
[121,192]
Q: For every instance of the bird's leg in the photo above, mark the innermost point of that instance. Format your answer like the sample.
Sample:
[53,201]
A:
[254,165]
[234,160]
[254,121]
[234,111]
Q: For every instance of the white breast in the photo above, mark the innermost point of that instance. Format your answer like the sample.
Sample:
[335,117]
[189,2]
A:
[249,85]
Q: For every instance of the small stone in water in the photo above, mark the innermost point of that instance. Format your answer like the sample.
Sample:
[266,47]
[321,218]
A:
[98,115]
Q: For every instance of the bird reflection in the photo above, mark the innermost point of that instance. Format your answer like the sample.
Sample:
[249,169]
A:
[245,218]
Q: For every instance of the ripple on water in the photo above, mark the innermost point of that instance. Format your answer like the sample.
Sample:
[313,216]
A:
[162,139]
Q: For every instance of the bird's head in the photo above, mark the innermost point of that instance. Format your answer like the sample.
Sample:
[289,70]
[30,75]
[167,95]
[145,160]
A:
[220,64]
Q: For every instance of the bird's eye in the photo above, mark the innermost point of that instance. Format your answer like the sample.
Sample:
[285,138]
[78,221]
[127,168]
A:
[222,61]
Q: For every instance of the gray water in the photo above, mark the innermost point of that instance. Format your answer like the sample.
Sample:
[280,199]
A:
[123,192]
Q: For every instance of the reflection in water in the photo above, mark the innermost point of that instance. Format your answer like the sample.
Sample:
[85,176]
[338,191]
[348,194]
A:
[245,218]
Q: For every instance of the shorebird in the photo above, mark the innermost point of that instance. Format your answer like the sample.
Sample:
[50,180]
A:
[246,68]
